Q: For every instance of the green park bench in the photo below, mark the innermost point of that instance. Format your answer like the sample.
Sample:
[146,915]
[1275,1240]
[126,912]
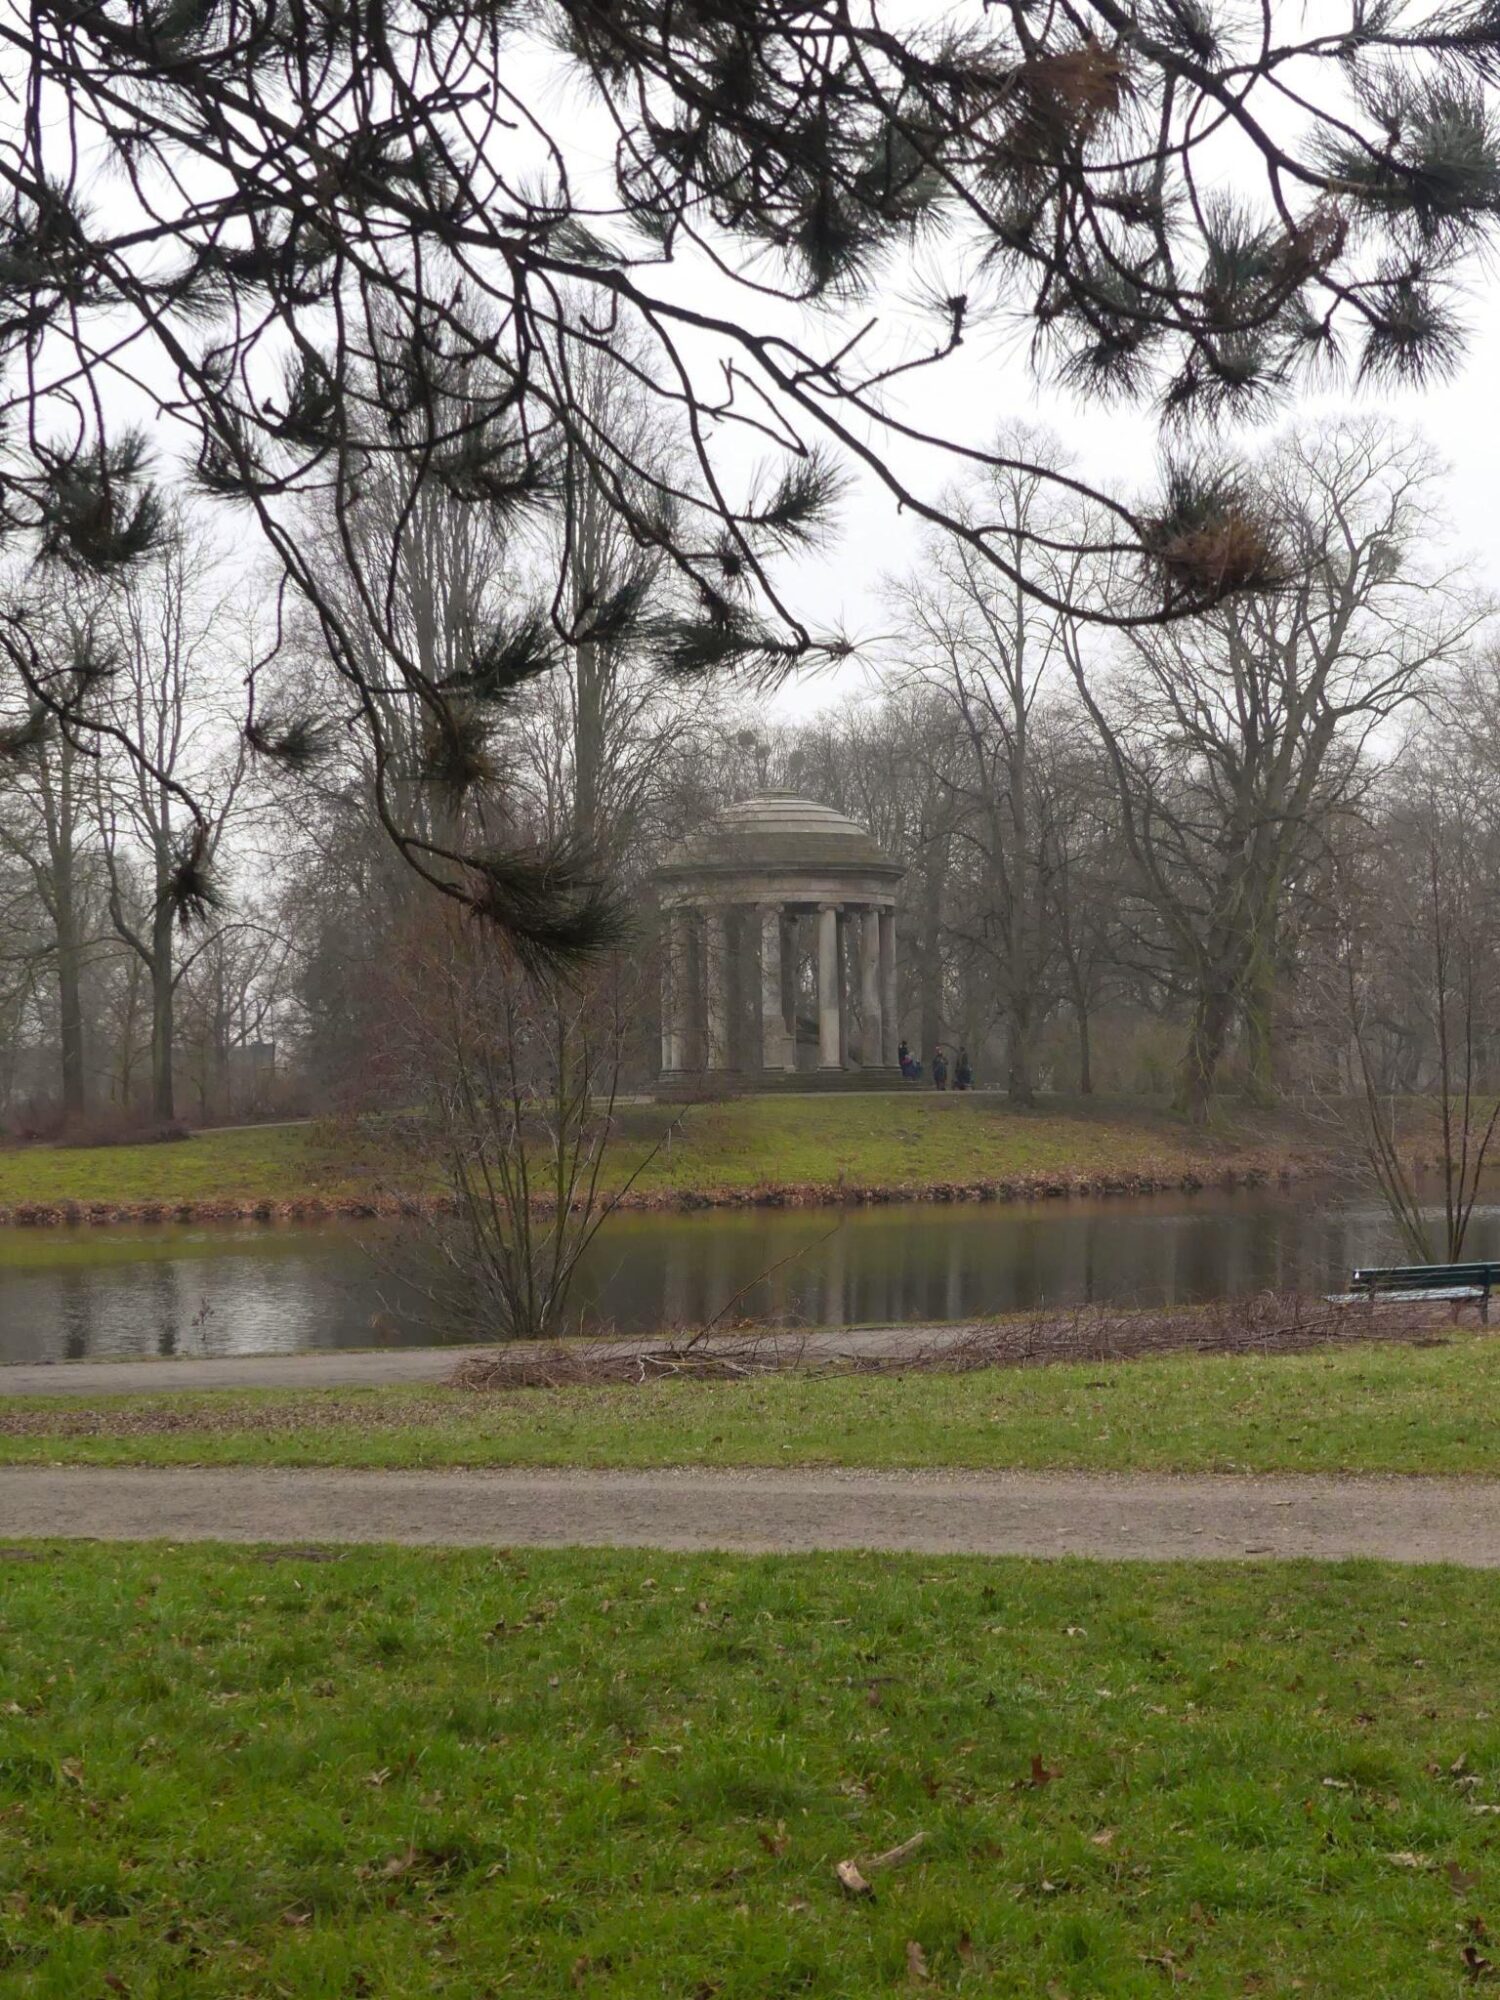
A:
[1459,1283]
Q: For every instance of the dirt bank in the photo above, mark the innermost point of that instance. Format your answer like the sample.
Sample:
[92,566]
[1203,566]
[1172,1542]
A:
[770,1194]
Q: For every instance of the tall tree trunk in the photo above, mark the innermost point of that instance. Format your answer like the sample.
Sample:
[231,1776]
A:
[1085,1048]
[588,747]
[163,996]
[222,1090]
[59,804]
[1213,1012]
[126,1046]
[930,987]
[1259,1010]
[1020,1082]
[1021,939]
[69,976]
[934,911]
[70,1012]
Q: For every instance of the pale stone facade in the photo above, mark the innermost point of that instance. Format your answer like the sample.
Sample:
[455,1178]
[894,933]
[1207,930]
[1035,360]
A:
[778,887]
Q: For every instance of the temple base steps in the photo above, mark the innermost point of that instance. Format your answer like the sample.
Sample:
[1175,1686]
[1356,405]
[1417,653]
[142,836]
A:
[779,1083]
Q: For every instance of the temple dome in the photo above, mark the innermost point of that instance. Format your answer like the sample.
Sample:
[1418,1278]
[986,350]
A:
[781,831]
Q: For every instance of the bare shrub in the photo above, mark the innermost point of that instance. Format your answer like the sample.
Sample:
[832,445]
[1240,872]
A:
[509,1082]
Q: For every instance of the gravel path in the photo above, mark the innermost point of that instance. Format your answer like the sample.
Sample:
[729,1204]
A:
[365,1368]
[1035,1514]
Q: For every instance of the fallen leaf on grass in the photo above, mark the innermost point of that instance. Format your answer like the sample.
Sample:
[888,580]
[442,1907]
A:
[965,1948]
[1475,1966]
[1103,1838]
[851,1879]
[775,1844]
[378,1778]
[916,1963]
[1460,1880]
[1406,1859]
[1040,1775]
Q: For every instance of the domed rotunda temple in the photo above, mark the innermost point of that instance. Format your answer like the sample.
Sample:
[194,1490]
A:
[779,951]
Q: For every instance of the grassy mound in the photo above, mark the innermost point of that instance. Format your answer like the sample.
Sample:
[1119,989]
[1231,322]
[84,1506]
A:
[800,1147]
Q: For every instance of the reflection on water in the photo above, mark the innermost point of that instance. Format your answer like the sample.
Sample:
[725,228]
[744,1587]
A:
[251,1288]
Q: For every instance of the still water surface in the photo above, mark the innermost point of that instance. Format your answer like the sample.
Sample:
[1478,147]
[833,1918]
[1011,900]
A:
[255,1288]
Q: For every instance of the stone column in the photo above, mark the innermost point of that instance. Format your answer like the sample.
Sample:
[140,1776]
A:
[842,955]
[791,958]
[674,991]
[890,1034]
[716,987]
[870,1039]
[774,1050]
[828,987]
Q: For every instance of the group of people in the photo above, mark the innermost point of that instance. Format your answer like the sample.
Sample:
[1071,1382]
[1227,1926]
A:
[963,1069]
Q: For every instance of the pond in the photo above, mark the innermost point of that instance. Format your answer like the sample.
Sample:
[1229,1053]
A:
[258,1288]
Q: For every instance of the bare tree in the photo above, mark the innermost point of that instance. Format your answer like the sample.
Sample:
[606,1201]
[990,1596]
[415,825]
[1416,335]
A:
[1085,883]
[1423,913]
[229,998]
[168,626]
[992,650]
[618,716]
[47,822]
[1230,737]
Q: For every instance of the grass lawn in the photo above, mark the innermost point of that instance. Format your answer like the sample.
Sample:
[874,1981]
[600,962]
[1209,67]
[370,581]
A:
[734,1146]
[271,1163]
[924,1138]
[394,1773]
[1361,1409]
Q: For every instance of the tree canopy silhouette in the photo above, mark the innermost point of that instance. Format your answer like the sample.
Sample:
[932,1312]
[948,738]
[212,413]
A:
[303,235]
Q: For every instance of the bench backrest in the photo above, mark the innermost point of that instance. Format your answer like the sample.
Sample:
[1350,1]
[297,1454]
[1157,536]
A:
[1413,1277]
